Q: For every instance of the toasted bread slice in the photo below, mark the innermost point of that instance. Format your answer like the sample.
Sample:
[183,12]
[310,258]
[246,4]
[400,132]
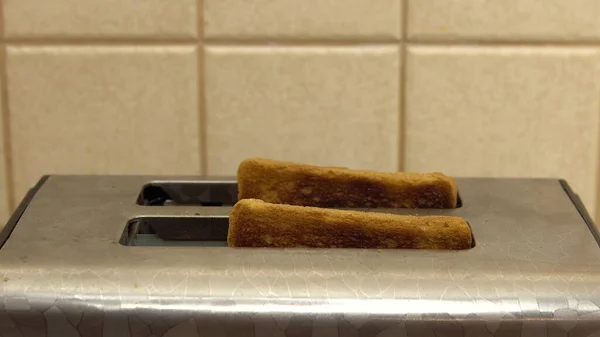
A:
[306,185]
[255,223]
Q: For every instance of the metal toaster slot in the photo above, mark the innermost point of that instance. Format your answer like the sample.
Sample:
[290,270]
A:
[182,231]
[176,231]
[186,193]
[208,225]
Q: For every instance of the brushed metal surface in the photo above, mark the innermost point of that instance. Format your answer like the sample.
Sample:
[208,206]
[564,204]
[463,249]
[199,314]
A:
[535,271]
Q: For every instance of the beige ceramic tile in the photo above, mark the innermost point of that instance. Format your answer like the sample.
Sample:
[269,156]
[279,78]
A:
[302,19]
[107,18]
[504,112]
[102,110]
[504,20]
[325,106]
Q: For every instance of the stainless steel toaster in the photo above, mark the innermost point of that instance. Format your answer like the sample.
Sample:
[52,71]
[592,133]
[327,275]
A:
[112,256]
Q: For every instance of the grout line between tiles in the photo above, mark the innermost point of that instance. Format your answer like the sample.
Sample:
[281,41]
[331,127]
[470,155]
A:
[274,42]
[6,132]
[201,100]
[51,42]
[504,43]
[98,41]
[402,94]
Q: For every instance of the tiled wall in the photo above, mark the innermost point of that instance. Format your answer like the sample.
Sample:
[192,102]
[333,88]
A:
[470,88]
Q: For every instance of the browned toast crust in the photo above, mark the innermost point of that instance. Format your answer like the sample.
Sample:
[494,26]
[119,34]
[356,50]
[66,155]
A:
[306,185]
[255,223]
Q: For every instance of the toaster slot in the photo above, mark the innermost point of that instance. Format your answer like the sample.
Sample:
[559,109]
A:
[195,231]
[188,193]
[176,231]
[197,193]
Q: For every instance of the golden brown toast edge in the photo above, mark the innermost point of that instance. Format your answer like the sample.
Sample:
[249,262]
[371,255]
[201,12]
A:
[255,223]
[300,184]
